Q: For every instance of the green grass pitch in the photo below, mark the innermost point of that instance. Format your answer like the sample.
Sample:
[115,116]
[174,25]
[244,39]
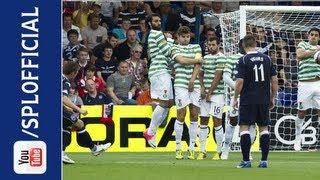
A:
[163,166]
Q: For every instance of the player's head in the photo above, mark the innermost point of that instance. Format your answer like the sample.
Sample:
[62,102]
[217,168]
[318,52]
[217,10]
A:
[213,44]
[83,54]
[249,43]
[70,69]
[184,35]
[154,21]
[241,50]
[313,36]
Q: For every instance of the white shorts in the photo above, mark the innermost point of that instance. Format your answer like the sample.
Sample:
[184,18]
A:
[161,87]
[183,97]
[308,95]
[233,112]
[217,104]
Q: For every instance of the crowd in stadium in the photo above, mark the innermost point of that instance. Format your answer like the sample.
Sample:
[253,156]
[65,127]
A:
[101,34]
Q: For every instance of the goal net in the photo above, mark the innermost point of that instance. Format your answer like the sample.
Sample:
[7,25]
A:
[278,31]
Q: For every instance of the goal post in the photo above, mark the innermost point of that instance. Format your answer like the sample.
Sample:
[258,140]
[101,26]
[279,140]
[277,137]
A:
[278,30]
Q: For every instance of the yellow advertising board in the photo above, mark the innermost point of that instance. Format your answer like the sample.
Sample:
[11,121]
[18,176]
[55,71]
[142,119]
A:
[126,134]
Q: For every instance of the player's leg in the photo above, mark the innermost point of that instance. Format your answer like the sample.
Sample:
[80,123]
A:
[84,139]
[253,132]
[69,119]
[203,133]
[231,123]
[247,113]
[263,121]
[194,112]
[161,89]
[182,100]
[304,103]
[194,108]
[178,128]
[217,104]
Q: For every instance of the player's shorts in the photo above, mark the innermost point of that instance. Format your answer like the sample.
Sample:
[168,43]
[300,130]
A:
[308,95]
[183,97]
[254,113]
[216,106]
[161,86]
[69,118]
[233,112]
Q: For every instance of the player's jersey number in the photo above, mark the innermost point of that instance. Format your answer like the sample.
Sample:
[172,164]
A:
[256,69]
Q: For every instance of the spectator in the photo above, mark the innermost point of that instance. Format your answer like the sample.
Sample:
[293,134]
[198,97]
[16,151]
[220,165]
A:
[137,66]
[122,52]
[94,97]
[152,7]
[209,33]
[121,86]
[106,65]
[169,18]
[133,13]
[96,7]
[189,18]
[81,15]
[144,96]
[89,74]
[213,19]
[71,50]
[67,25]
[98,50]
[143,31]
[73,95]
[122,31]
[110,10]
[93,34]
[83,62]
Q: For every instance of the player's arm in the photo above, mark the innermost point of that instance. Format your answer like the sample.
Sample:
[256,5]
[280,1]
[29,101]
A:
[195,73]
[203,89]
[228,80]
[69,104]
[274,89]
[187,61]
[303,54]
[215,82]
[238,87]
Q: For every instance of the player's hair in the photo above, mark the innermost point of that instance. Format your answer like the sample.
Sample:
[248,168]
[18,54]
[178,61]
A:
[314,29]
[183,30]
[150,17]
[70,67]
[83,49]
[214,38]
[249,41]
[72,31]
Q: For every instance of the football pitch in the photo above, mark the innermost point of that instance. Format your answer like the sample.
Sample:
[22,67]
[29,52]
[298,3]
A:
[163,166]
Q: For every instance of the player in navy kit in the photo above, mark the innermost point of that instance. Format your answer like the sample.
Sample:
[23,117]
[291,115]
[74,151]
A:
[71,117]
[257,86]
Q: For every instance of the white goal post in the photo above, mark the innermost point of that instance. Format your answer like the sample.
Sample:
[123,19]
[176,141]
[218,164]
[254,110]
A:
[278,30]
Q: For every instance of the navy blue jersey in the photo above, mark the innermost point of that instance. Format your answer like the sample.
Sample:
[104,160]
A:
[65,86]
[256,70]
